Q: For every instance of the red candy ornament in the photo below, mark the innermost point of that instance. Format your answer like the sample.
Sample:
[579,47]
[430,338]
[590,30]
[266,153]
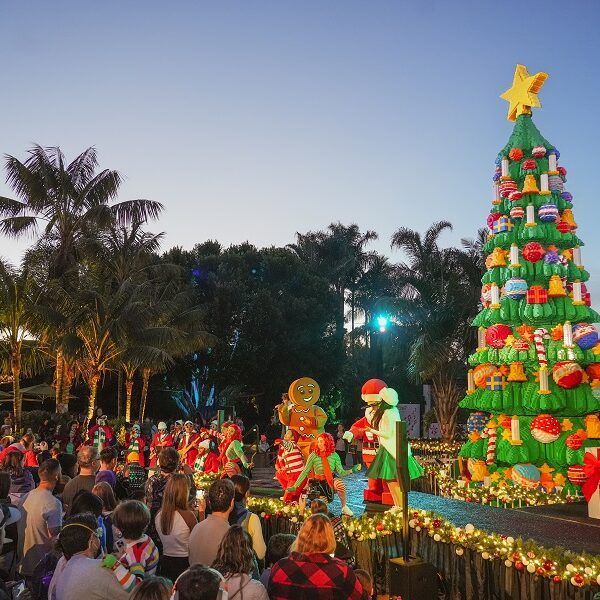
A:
[574,442]
[529,165]
[515,154]
[545,429]
[567,374]
[496,335]
[533,251]
[563,226]
[576,474]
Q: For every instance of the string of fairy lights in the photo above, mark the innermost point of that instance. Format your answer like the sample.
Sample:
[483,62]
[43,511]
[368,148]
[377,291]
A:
[557,564]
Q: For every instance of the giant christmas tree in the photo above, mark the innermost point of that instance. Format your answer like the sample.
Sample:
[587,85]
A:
[534,381]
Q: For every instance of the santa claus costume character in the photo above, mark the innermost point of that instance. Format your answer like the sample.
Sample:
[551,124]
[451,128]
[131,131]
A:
[321,467]
[289,464]
[188,445]
[161,440]
[383,414]
[101,434]
[234,452]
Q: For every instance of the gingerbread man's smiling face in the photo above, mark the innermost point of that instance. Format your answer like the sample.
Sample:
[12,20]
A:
[304,392]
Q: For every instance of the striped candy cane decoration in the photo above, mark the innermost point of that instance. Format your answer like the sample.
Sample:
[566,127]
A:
[491,447]
[538,339]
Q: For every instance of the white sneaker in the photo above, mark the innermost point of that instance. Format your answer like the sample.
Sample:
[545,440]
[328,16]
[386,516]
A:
[346,511]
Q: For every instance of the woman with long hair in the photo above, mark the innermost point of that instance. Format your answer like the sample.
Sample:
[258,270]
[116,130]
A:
[234,561]
[324,463]
[174,522]
[21,480]
[311,571]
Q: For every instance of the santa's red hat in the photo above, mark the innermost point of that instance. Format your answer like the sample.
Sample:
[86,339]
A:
[373,386]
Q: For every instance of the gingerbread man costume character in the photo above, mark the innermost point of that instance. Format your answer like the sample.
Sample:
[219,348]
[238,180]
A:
[300,414]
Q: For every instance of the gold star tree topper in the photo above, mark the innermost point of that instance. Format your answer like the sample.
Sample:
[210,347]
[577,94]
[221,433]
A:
[523,93]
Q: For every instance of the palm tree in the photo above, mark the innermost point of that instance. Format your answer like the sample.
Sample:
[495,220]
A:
[64,206]
[18,349]
[338,254]
[436,303]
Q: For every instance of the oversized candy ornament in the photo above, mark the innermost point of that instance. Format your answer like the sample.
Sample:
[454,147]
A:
[567,374]
[486,294]
[551,257]
[496,335]
[477,421]
[515,288]
[548,213]
[517,212]
[576,474]
[545,429]
[481,372]
[526,475]
[585,335]
[515,154]
[593,371]
[574,442]
[533,251]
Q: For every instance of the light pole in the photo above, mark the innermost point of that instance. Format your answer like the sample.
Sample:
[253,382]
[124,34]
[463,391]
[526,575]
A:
[381,324]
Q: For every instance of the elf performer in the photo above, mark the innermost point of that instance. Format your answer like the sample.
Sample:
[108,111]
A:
[101,434]
[382,414]
[322,464]
[136,444]
[289,464]
[188,445]
[162,439]
[207,460]
[234,453]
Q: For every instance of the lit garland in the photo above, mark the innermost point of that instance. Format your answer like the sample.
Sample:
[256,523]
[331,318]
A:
[203,480]
[499,494]
[424,446]
[557,564]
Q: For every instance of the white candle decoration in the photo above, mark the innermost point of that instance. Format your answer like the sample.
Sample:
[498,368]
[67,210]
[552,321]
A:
[497,199]
[481,343]
[577,256]
[470,381]
[505,167]
[515,431]
[577,297]
[544,184]
[552,162]
[495,296]
[544,389]
[530,215]
[514,255]
[567,335]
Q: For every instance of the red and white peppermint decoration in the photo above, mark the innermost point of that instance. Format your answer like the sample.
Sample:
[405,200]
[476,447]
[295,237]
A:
[538,152]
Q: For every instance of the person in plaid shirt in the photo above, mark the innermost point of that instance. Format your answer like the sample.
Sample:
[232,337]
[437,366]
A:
[311,572]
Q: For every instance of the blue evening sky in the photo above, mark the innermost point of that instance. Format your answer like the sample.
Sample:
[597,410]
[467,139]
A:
[254,120]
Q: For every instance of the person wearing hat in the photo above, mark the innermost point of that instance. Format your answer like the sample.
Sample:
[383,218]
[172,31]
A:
[101,434]
[382,414]
[136,443]
[177,432]
[188,445]
[162,439]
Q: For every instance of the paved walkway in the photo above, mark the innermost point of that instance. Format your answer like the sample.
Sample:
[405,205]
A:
[555,528]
